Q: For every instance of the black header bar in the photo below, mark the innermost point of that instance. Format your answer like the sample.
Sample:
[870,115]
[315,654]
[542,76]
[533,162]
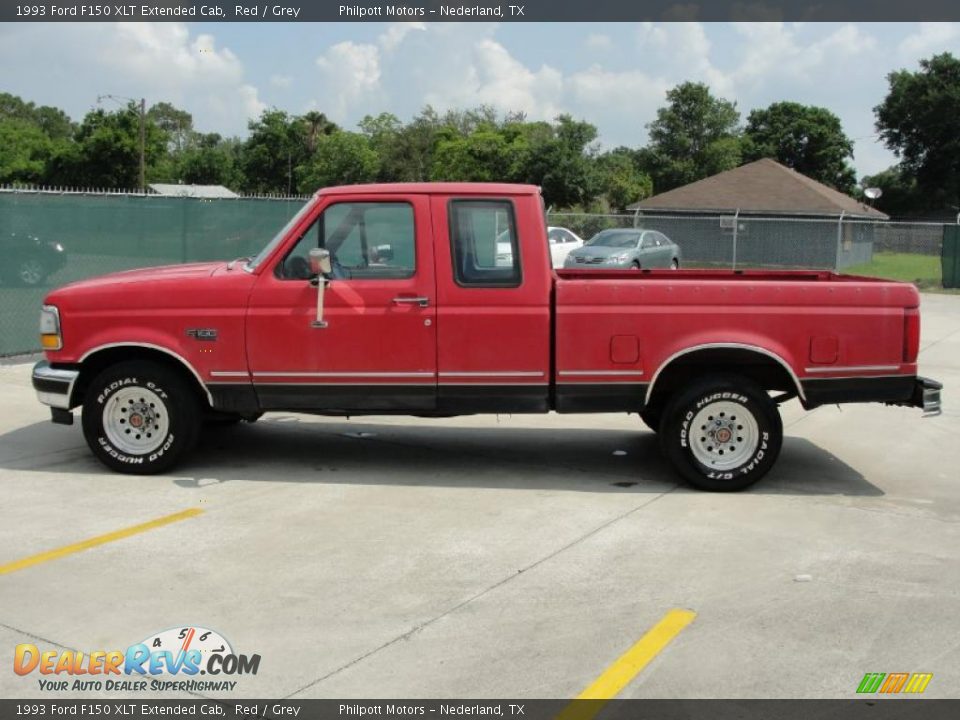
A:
[481,11]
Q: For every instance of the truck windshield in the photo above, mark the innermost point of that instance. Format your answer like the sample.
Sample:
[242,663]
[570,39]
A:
[278,238]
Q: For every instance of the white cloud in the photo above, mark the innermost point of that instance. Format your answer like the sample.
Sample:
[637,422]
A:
[443,65]
[397,32]
[930,38]
[281,81]
[598,41]
[351,72]
[158,61]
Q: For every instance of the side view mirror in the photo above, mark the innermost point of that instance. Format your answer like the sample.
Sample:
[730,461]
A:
[320,262]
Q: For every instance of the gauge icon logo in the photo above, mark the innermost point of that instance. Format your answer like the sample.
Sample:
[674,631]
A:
[184,639]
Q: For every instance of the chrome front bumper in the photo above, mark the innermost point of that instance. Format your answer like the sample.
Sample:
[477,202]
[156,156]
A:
[54,386]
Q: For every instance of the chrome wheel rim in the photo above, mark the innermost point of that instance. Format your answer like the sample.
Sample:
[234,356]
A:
[135,421]
[724,435]
[31,272]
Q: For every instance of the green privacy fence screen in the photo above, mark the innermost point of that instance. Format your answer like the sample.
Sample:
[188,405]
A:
[101,233]
[951,256]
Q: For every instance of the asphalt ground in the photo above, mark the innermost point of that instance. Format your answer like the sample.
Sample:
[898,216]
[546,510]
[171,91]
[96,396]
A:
[483,557]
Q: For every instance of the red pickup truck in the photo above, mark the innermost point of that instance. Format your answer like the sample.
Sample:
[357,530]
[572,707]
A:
[401,299]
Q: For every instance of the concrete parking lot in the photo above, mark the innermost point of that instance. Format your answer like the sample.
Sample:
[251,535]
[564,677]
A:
[500,556]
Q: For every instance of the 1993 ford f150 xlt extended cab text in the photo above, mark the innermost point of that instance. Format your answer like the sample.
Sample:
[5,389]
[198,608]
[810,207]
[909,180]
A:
[390,299]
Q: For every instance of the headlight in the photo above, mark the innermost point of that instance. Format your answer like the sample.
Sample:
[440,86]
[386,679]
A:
[622,257]
[50,338]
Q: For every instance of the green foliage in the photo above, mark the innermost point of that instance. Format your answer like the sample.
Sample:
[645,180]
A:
[52,121]
[622,182]
[696,135]
[919,120]
[340,158]
[25,151]
[901,195]
[271,153]
[808,139]
[106,150]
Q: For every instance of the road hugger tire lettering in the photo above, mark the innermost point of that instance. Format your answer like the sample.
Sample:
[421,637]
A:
[140,417]
[722,433]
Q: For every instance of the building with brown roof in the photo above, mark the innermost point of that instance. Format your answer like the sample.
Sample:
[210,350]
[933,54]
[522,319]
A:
[763,214]
[764,187]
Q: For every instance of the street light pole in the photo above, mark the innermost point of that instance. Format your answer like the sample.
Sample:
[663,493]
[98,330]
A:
[143,144]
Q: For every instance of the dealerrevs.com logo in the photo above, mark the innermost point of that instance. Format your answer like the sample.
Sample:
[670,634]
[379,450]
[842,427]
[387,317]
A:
[165,661]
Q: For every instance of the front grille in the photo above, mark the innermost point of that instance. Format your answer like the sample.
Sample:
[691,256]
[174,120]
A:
[590,260]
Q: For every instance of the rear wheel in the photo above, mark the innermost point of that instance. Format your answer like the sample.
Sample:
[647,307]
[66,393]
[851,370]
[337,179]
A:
[140,417]
[722,433]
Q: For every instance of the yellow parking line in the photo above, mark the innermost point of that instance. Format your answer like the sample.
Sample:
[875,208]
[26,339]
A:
[95,541]
[625,668]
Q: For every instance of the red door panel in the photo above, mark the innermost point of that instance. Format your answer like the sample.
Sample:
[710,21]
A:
[378,350]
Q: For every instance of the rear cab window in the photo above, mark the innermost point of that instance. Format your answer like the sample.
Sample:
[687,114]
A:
[484,243]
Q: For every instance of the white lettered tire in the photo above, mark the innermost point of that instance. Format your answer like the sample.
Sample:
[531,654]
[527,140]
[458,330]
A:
[140,417]
[722,433]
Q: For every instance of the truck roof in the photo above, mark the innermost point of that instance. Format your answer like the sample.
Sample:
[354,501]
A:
[438,188]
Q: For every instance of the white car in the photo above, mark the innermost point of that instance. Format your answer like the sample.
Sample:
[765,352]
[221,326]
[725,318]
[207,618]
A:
[562,241]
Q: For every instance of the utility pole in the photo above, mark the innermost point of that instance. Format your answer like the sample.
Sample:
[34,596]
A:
[143,144]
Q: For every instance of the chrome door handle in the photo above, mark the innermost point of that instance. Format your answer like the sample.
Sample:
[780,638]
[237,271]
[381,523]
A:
[421,301]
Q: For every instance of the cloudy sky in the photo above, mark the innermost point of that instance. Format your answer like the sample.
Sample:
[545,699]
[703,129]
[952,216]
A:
[613,75]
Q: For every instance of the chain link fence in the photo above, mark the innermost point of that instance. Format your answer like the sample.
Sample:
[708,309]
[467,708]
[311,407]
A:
[739,241]
[52,237]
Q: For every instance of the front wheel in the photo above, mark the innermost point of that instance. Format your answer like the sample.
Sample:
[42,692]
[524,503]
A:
[140,417]
[722,433]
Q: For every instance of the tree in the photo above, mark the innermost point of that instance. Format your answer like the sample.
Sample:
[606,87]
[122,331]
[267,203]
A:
[272,152]
[484,155]
[803,137]
[559,158]
[54,122]
[315,124]
[341,158]
[24,152]
[210,160]
[696,135]
[106,152]
[919,121]
[900,197]
[176,123]
[621,182]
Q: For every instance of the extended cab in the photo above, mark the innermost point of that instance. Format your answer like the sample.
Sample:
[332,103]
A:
[391,299]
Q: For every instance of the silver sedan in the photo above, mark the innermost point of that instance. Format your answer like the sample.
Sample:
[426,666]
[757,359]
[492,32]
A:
[634,248]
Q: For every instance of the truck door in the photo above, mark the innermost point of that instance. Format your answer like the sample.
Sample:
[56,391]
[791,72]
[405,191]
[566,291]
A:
[378,350]
[493,313]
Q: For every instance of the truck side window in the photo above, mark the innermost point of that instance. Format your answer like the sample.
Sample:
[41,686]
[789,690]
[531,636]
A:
[366,240]
[485,248]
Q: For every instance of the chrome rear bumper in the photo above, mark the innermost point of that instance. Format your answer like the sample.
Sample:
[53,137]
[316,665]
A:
[926,395]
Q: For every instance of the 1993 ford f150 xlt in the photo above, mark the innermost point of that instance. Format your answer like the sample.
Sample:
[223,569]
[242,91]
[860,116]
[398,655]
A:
[391,299]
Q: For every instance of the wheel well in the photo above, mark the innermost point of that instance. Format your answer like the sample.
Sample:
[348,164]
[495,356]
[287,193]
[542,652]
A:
[763,369]
[102,359]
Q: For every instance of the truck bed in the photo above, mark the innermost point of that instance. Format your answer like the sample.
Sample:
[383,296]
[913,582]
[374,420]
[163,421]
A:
[714,274]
